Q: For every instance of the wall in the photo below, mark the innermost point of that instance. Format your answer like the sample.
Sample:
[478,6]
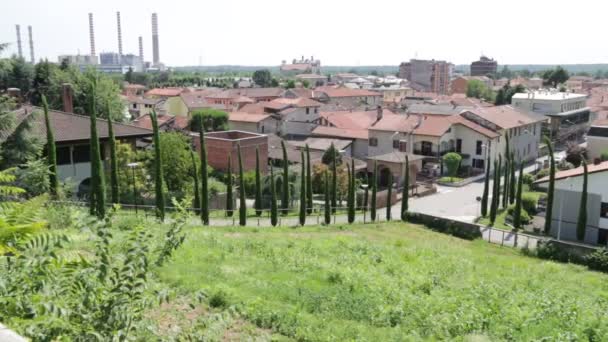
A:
[176,106]
[359,148]
[298,122]
[385,142]
[546,106]
[595,146]
[567,201]
[218,151]
[459,85]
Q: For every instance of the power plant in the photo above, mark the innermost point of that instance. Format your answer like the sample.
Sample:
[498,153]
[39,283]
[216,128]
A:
[155,48]
[32,59]
[141,48]
[119,38]
[92,35]
[19,49]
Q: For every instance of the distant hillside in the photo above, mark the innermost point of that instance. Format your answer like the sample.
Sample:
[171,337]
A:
[362,69]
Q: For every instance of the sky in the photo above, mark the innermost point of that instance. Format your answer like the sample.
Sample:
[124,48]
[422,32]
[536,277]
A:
[338,32]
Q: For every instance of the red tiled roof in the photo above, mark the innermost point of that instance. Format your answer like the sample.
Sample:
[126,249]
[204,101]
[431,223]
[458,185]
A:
[591,168]
[300,102]
[346,92]
[253,108]
[353,120]
[325,131]
[506,116]
[169,92]
[145,121]
[247,117]
[296,66]
[430,125]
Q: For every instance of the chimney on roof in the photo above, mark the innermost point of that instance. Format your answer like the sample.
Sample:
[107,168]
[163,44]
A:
[379,113]
[67,98]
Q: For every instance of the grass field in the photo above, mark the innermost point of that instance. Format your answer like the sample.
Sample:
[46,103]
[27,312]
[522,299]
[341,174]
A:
[390,282]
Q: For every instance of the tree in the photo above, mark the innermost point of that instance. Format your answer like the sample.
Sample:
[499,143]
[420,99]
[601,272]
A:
[330,154]
[556,76]
[374,192]
[512,192]
[242,199]
[285,184]
[351,194]
[211,119]
[305,84]
[334,183]
[302,215]
[98,191]
[20,143]
[406,188]
[197,199]
[204,178]
[581,223]
[479,90]
[309,203]
[486,189]
[229,200]
[158,170]
[389,196]
[499,99]
[258,185]
[51,153]
[327,206]
[452,161]
[508,162]
[113,161]
[495,187]
[575,154]
[520,182]
[262,78]
[551,188]
[273,200]
[290,84]
[129,75]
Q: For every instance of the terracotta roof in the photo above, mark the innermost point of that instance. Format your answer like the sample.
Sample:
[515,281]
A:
[134,86]
[591,168]
[168,92]
[430,125]
[242,99]
[68,127]
[346,92]
[137,99]
[506,116]
[325,131]
[296,66]
[253,108]
[311,76]
[396,157]
[179,122]
[323,144]
[247,117]
[197,98]
[300,102]
[354,119]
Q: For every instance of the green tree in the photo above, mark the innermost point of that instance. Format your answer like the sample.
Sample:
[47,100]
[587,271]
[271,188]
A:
[229,200]
[177,164]
[486,189]
[129,75]
[499,99]
[309,203]
[374,192]
[330,154]
[258,185]
[556,76]
[98,191]
[242,199]
[262,78]
[406,187]
[197,194]
[520,182]
[158,170]
[495,189]
[551,188]
[305,84]
[581,223]
[285,183]
[334,183]
[273,200]
[302,213]
[51,153]
[113,161]
[351,200]
[211,119]
[512,181]
[452,161]
[479,90]
[389,196]
[507,172]
[290,84]
[326,204]
[204,178]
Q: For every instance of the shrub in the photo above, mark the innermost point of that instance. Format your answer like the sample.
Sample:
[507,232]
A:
[541,174]
[529,202]
[604,155]
[218,299]
[213,119]
[597,260]
[528,179]
[525,217]
[452,162]
[249,182]
[450,179]
[215,186]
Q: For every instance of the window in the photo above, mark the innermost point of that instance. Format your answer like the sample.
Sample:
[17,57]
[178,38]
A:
[395,144]
[373,142]
[307,110]
[63,155]
[528,148]
[402,146]
[478,147]
[316,110]
[478,164]
[604,210]
[82,154]
[135,107]
[534,128]
[459,145]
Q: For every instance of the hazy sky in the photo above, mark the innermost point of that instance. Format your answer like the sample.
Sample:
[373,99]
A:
[355,32]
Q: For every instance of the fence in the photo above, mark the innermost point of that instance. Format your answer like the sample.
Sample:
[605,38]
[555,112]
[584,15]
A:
[511,238]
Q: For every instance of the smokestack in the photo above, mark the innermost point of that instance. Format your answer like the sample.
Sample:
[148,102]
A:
[32,59]
[119,38]
[19,49]
[92,35]
[141,48]
[67,98]
[155,52]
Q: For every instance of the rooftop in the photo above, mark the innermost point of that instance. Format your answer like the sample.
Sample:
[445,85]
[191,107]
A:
[506,116]
[548,95]
[333,91]
[247,117]
[168,92]
[591,168]
[395,157]
[322,144]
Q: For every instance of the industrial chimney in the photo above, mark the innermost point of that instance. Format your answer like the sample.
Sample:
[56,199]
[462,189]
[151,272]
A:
[19,49]
[155,50]
[141,48]
[119,38]
[67,96]
[32,59]
[92,35]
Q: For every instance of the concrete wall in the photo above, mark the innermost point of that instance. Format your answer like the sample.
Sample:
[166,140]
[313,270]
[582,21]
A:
[542,106]
[299,122]
[566,209]
[360,148]
[176,106]
[264,127]
[595,146]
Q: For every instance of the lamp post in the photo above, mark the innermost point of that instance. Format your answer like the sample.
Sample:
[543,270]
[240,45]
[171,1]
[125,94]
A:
[132,166]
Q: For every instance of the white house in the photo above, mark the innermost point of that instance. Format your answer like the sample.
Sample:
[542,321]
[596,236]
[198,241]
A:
[298,116]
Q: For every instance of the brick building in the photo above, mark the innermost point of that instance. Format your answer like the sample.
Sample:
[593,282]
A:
[427,75]
[220,145]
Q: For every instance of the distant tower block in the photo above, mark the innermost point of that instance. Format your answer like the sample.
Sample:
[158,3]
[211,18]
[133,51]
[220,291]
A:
[92,35]
[32,58]
[141,48]
[155,49]
[19,48]
[119,38]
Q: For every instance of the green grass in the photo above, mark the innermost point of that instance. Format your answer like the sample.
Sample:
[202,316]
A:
[450,179]
[388,282]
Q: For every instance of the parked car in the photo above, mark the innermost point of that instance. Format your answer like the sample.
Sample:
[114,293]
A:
[431,169]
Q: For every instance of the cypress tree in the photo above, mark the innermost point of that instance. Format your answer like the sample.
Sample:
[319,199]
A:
[113,160]
[273,201]
[258,185]
[242,200]
[229,200]
[158,171]
[388,196]
[486,189]
[581,224]
[551,189]
[366,193]
[309,204]
[352,198]
[406,192]
[498,181]
[98,195]
[494,194]
[51,153]
[197,194]
[204,178]
[374,192]
[285,184]
[334,180]
[303,190]
[505,190]
[327,204]
[512,181]
[520,182]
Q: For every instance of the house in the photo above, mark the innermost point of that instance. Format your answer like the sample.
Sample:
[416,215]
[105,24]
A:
[597,141]
[393,93]
[196,100]
[344,77]
[72,139]
[344,96]
[166,122]
[242,96]
[323,144]
[314,80]
[566,203]
[133,89]
[173,103]
[306,93]
[298,116]
[567,113]
[139,106]
[255,123]
[302,66]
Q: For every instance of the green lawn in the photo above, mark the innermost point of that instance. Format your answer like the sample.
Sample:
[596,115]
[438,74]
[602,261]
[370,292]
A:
[389,282]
